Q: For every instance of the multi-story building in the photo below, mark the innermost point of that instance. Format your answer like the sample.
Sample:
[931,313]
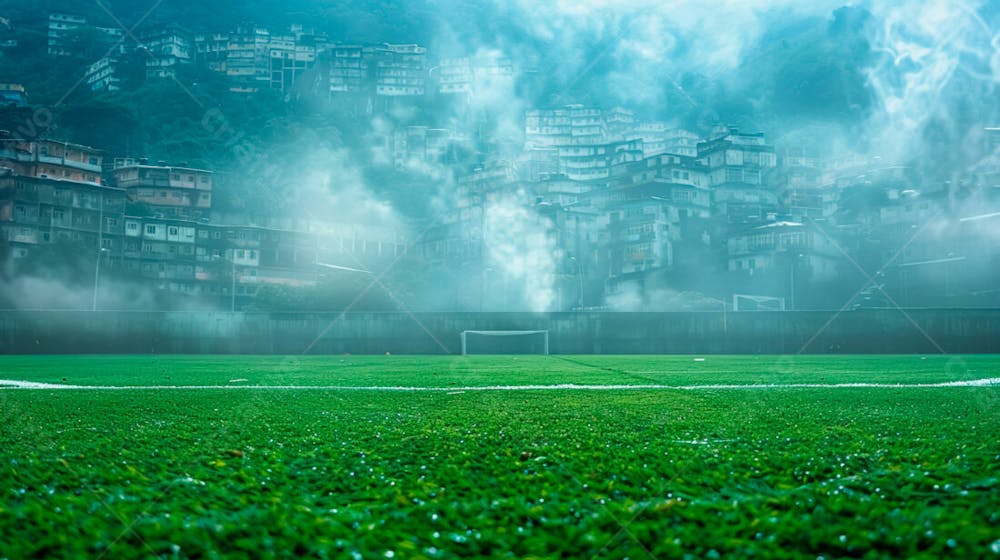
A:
[454,76]
[657,215]
[348,70]
[420,144]
[547,128]
[621,123]
[211,50]
[739,167]
[178,192]
[400,70]
[248,59]
[104,75]
[51,159]
[570,125]
[803,193]
[162,251]
[289,59]
[166,50]
[38,210]
[469,76]
[581,162]
[62,29]
[680,142]
[781,258]
[59,29]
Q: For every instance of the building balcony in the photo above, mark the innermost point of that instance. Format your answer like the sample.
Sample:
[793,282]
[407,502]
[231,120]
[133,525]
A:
[69,163]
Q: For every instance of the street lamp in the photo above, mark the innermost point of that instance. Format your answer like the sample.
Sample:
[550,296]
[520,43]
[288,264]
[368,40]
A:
[793,264]
[97,277]
[100,247]
[232,304]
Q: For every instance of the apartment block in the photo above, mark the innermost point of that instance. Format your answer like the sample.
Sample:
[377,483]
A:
[172,191]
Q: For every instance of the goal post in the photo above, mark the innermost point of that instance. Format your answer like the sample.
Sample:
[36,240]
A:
[745,302]
[543,335]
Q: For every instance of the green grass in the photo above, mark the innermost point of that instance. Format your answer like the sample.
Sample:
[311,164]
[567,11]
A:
[646,473]
[441,371]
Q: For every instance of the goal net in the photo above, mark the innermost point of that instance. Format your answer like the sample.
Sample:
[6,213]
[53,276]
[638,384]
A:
[505,342]
[742,302]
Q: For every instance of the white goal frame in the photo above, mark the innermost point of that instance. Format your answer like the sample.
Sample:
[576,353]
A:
[544,333]
[780,301]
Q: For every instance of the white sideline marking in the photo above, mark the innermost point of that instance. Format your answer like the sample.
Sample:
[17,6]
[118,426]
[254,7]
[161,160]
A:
[986,382]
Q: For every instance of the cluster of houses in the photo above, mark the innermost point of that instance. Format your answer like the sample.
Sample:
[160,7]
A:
[638,205]
[153,223]
[628,204]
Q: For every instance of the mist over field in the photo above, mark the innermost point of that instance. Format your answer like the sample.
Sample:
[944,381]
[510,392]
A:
[454,201]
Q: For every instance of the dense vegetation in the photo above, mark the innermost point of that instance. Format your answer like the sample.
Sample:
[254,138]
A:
[811,70]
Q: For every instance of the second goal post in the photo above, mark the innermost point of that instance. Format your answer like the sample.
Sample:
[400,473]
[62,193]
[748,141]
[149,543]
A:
[506,342]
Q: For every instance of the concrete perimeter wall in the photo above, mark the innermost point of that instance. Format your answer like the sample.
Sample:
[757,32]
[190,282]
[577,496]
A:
[867,331]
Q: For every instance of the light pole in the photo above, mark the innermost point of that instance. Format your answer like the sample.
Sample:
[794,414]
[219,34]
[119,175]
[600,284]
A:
[100,246]
[97,277]
[793,264]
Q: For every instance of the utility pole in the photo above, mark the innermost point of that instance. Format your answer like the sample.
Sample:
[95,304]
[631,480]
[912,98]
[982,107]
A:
[100,248]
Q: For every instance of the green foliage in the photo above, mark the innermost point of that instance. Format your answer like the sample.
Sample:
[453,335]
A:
[876,473]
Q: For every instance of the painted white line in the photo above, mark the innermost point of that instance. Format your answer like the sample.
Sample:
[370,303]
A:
[987,382]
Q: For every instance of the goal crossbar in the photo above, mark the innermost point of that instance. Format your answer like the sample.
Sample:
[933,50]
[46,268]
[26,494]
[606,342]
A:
[464,335]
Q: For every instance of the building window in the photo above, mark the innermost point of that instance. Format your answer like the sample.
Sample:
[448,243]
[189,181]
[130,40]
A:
[132,226]
[172,230]
[150,230]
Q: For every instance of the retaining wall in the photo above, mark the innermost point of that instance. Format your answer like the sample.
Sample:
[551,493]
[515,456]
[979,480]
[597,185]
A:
[864,331]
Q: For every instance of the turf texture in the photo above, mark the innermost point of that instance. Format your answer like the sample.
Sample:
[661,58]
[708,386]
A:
[880,472]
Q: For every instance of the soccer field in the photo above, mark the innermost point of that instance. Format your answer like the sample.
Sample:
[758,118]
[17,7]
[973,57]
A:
[513,456]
